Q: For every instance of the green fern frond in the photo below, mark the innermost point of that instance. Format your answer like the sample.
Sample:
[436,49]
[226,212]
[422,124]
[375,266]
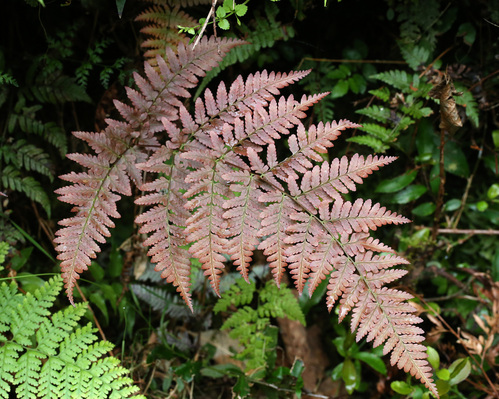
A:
[382,93]
[240,293]
[7,79]
[12,179]
[468,101]
[376,112]
[280,302]
[415,56]
[4,250]
[417,110]
[376,144]
[58,91]
[252,327]
[33,159]
[51,357]
[397,78]
[377,131]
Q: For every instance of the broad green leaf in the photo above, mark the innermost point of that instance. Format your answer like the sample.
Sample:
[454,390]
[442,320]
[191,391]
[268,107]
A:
[242,387]
[349,375]
[372,360]
[241,9]
[410,193]
[221,13]
[455,161]
[224,24]
[482,206]
[442,386]
[425,209]
[297,368]
[452,205]
[433,357]
[97,299]
[495,266]
[397,183]
[495,138]
[443,374]
[340,89]
[493,191]
[459,371]
[401,387]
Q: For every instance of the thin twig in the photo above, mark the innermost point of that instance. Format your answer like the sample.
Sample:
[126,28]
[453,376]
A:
[206,21]
[342,61]
[441,188]
[468,231]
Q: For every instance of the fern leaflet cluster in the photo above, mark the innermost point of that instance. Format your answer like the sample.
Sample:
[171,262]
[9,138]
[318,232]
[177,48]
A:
[221,185]
[252,326]
[51,357]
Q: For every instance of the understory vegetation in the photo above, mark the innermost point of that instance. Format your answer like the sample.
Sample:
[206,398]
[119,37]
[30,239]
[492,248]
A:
[223,239]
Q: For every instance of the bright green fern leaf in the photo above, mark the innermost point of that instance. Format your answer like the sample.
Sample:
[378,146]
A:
[52,357]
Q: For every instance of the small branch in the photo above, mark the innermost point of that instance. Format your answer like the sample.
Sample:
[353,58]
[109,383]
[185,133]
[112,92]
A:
[342,61]
[206,21]
[468,231]
[441,188]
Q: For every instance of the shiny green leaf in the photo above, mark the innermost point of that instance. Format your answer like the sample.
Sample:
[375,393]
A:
[372,360]
[401,387]
[409,194]
[349,375]
[493,191]
[433,357]
[459,371]
[397,183]
[340,89]
[425,209]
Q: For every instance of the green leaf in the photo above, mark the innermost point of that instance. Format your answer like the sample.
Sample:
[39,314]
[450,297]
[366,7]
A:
[21,258]
[482,206]
[241,9]
[410,193]
[468,31]
[372,360]
[425,209]
[443,374]
[455,161]
[224,24]
[349,375]
[242,387]
[433,357]
[340,89]
[401,387]
[452,205]
[357,83]
[397,183]
[493,191]
[495,138]
[297,368]
[459,370]
[442,386]
[221,13]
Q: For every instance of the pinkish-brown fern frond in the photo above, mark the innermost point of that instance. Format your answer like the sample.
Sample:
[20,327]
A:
[222,186]
[120,148]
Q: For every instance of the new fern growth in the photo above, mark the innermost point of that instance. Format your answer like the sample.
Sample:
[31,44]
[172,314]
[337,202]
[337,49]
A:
[51,357]
[219,185]
[251,326]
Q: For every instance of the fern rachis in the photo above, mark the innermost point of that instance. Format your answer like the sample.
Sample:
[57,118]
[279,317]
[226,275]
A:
[221,187]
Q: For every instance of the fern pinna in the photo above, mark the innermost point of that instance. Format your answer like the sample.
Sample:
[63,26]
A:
[220,186]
